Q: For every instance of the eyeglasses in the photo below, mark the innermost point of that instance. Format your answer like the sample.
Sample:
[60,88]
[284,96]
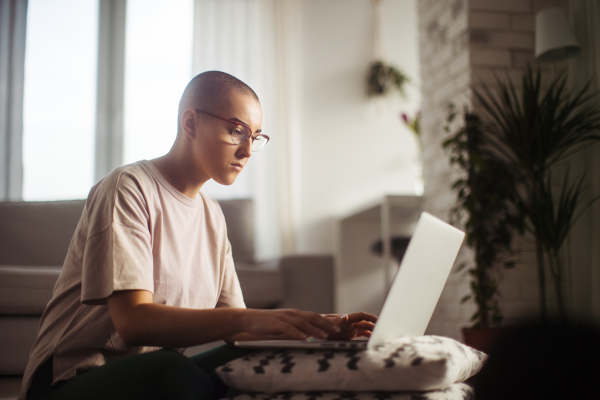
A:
[242,132]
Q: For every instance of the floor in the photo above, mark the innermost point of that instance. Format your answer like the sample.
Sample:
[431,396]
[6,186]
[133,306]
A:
[10,386]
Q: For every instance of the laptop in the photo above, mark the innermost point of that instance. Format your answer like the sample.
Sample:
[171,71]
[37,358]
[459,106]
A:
[412,297]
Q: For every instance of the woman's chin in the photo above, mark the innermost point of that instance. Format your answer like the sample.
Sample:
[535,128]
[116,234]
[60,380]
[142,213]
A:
[226,181]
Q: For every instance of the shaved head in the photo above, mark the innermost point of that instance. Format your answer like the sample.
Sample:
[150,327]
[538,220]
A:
[208,91]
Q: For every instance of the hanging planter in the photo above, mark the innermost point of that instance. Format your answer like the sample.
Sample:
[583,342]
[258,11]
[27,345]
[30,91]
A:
[384,78]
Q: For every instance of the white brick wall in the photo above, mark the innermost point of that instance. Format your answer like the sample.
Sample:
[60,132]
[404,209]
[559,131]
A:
[489,20]
[491,58]
[521,6]
[464,43]
[523,22]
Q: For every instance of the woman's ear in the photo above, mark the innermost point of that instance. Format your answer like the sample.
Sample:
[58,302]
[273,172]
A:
[188,123]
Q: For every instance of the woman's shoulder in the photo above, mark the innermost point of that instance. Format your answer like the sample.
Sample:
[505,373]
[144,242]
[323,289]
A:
[126,176]
[124,187]
[213,210]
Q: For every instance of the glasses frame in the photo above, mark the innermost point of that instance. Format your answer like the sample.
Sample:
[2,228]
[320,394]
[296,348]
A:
[237,123]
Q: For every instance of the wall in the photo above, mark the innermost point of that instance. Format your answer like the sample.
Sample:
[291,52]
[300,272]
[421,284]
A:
[353,150]
[465,43]
[584,279]
[446,77]
[460,43]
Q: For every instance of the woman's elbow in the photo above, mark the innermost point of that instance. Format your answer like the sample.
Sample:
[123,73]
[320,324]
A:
[127,316]
[130,334]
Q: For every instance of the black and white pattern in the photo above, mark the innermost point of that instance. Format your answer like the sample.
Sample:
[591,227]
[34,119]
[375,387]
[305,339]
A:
[423,363]
[457,391]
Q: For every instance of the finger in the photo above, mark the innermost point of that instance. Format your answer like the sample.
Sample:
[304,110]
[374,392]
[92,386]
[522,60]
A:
[336,318]
[289,325]
[364,325]
[308,328]
[365,334]
[317,320]
[294,333]
[321,322]
[362,316]
[283,327]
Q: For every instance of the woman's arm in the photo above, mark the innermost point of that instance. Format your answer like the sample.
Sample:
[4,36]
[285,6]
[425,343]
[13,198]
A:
[140,322]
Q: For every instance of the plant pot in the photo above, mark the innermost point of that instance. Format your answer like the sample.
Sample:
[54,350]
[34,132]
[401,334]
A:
[481,339]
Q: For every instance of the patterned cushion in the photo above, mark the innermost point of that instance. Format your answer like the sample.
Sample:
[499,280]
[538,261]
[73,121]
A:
[458,391]
[405,364]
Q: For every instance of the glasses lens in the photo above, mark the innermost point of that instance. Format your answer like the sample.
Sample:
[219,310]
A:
[259,143]
[240,134]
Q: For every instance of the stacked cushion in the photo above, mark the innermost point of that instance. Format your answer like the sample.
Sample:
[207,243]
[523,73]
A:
[458,391]
[423,363]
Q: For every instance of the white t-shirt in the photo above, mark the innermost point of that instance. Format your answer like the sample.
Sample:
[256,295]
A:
[136,232]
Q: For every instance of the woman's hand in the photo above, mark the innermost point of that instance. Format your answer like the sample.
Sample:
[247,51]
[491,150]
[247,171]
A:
[287,324]
[352,326]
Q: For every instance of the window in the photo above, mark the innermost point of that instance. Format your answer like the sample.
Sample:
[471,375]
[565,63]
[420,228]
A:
[60,89]
[59,99]
[158,65]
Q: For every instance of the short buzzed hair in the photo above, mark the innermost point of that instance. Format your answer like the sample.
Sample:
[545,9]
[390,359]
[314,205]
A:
[209,88]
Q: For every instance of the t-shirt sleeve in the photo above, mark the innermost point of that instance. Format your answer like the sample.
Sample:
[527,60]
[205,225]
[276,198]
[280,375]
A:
[231,292]
[118,250]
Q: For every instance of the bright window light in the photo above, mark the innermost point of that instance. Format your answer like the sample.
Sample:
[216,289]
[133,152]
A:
[158,65]
[60,99]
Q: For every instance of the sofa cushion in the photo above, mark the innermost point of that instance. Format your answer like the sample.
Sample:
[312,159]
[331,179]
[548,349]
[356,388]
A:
[26,290]
[37,233]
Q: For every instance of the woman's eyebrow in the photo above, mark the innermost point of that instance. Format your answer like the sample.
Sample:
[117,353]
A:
[245,123]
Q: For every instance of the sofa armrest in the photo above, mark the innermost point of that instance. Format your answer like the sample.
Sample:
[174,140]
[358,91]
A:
[308,283]
[261,283]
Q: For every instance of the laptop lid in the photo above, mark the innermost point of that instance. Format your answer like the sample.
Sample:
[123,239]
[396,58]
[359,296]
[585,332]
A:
[419,282]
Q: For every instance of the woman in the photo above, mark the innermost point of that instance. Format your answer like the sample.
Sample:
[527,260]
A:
[149,270]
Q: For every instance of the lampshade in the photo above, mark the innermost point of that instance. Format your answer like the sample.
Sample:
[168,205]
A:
[554,39]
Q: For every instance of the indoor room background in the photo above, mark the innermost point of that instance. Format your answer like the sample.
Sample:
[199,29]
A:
[103,92]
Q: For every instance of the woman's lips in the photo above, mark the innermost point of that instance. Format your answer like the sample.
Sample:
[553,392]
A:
[238,166]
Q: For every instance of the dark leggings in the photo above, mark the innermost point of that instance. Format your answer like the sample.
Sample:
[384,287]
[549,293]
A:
[162,374]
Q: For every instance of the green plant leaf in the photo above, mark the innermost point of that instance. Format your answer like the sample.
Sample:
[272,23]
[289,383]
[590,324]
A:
[465,298]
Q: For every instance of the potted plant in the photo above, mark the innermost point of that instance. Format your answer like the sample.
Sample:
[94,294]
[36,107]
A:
[484,196]
[384,78]
[533,128]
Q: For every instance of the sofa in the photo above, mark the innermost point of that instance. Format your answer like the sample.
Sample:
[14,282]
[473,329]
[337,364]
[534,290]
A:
[35,236]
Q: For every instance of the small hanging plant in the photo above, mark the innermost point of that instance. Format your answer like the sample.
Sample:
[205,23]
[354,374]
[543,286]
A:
[384,78]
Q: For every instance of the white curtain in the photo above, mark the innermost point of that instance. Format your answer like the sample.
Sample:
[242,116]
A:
[13,18]
[258,42]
